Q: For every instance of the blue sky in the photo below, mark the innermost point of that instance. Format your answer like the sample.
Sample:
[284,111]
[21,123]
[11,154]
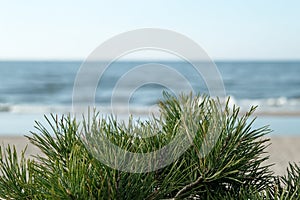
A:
[231,30]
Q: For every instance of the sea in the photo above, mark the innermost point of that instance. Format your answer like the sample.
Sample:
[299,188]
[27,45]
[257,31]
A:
[31,89]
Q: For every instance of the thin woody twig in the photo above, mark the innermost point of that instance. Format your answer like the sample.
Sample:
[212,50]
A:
[185,188]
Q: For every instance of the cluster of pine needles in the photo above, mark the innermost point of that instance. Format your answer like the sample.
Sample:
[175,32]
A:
[231,167]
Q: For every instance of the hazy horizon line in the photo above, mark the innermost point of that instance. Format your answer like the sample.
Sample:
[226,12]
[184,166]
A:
[150,60]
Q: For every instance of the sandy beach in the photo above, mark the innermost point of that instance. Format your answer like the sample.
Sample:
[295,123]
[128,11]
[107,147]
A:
[283,150]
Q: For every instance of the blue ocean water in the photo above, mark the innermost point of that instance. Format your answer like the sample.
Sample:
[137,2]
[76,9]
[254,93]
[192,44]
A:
[32,88]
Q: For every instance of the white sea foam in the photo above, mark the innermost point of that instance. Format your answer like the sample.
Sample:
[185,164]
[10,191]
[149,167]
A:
[276,105]
[280,105]
[59,109]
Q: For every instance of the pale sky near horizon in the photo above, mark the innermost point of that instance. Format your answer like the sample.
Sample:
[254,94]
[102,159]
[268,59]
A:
[229,30]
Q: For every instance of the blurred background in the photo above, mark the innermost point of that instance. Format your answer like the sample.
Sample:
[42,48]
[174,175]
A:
[255,46]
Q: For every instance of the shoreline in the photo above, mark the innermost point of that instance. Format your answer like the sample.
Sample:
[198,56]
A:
[282,124]
[282,150]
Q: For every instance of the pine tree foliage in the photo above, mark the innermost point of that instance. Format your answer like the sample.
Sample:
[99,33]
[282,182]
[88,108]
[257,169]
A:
[231,168]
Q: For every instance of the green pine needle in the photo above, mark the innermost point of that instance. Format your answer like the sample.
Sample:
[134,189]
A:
[233,168]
